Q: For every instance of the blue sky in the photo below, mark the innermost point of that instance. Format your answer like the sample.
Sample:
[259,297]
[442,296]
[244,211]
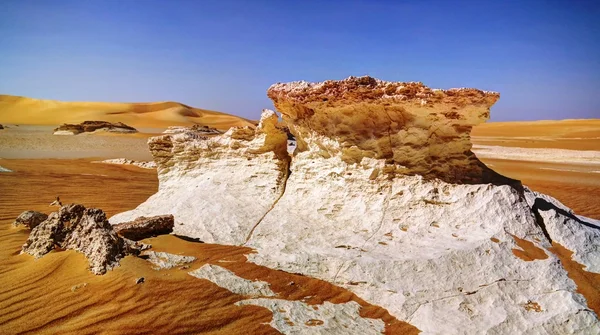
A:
[542,56]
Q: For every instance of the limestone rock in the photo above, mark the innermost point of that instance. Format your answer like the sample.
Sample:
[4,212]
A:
[125,161]
[3,169]
[30,219]
[230,281]
[164,260]
[198,129]
[384,198]
[91,126]
[83,229]
[417,130]
[143,227]
[231,180]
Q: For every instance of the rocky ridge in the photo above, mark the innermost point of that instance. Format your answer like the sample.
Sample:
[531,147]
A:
[384,197]
[92,126]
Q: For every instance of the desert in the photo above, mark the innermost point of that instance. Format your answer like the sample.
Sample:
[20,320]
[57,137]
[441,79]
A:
[252,250]
[302,168]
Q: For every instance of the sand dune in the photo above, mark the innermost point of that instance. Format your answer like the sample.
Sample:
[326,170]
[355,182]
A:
[562,134]
[22,110]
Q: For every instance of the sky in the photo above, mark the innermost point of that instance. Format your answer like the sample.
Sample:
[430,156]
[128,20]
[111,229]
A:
[542,56]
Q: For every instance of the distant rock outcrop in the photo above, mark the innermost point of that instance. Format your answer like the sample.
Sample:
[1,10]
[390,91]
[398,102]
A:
[125,161]
[144,227]
[384,198]
[91,126]
[1,127]
[201,130]
[82,229]
[30,219]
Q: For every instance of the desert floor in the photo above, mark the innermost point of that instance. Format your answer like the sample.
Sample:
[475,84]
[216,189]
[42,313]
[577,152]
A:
[57,294]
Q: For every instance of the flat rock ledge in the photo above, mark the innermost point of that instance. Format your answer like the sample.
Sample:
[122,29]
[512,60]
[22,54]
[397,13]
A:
[144,227]
[164,260]
[82,229]
[125,161]
[92,126]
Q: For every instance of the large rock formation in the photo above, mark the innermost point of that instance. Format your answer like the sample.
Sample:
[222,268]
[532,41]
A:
[231,181]
[92,126]
[385,199]
[85,230]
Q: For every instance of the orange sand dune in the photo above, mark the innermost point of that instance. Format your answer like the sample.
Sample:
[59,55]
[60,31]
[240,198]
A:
[563,134]
[58,295]
[22,110]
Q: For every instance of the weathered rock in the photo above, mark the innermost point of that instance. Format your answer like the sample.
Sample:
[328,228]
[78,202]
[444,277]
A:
[30,219]
[1,127]
[384,198]
[164,260]
[91,126]
[144,227]
[3,169]
[125,161]
[415,129]
[84,230]
[198,129]
[231,180]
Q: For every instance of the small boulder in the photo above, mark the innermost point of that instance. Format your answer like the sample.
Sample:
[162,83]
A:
[30,219]
[1,127]
[144,227]
[82,229]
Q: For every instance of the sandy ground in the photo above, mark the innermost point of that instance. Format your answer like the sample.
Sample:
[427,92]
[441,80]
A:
[38,296]
[558,158]
[22,110]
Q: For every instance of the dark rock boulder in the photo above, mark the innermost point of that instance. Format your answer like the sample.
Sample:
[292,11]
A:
[144,227]
[91,126]
[30,219]
[83,229]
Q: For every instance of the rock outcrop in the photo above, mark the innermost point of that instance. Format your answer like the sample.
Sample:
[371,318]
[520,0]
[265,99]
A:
[244,169]
[92,126]
[82,229]
[198,129]
[1,127]
[125,161]
[415,129]
[143,227]
[30,219]
[384,197]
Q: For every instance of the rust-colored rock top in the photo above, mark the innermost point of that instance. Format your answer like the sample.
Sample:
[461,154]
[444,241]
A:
[367,89]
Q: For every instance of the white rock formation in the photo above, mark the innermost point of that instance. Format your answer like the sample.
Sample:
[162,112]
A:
[2,169]
[384,198]
[231,181]
[125,161]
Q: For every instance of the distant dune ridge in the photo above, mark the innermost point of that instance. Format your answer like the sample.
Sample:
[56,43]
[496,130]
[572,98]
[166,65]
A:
[23,110]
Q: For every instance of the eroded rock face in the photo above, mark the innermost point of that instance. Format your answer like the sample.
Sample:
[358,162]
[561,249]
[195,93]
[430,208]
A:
[200,130]
[143,227]
[82,229]
[30,219]
[231,180]
[384,198]
[417,130]
[91,126]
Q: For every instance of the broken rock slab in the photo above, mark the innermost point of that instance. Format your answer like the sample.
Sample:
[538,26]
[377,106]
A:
[145,227]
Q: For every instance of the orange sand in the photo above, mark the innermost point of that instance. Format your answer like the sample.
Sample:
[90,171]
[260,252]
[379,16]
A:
[49,295]
[530,251]
[22,110]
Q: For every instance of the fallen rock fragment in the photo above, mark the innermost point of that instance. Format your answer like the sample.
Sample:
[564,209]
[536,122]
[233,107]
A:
[164,260]
[91,126]
[82,229]
[3,169]
[30,219]
[144,227]
[140,280]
